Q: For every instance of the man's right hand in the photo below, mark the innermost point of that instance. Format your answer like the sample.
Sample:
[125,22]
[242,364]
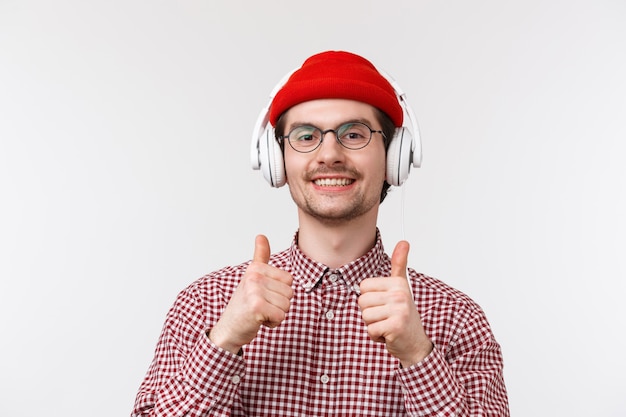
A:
[262,297]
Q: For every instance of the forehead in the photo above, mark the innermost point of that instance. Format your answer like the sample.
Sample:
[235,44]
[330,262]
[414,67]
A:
[330,112]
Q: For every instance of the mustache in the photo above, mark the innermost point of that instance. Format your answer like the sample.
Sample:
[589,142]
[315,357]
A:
[343,171]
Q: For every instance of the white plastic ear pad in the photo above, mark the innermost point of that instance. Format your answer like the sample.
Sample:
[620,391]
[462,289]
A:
[265,153]
[271,159]
[399,157]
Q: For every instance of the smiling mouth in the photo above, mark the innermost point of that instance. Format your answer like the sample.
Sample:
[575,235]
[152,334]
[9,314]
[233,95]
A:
[333,182]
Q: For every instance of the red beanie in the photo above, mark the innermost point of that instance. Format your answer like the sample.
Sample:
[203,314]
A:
[337,74]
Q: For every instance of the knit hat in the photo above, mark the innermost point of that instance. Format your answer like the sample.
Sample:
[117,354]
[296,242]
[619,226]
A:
[337,74]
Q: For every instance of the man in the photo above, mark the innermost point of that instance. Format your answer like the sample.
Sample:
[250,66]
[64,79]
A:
[331,325]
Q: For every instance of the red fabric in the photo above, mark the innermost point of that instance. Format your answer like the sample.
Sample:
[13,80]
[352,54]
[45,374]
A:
[320,361]
[337,74]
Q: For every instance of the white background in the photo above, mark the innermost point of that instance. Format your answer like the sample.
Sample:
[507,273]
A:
[124,176]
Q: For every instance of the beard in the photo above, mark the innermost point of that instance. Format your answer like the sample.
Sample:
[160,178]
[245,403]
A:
[334,209]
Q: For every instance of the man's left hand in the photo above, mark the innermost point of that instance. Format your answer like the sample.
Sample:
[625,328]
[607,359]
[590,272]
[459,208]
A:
[389,311]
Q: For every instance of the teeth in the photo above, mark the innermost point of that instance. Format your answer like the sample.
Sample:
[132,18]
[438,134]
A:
[333,182]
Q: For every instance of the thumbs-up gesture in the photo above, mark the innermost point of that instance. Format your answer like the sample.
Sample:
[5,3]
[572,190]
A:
[389,311]
[262,297]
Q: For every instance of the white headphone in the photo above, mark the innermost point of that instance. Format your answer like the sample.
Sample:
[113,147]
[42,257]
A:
[405,148]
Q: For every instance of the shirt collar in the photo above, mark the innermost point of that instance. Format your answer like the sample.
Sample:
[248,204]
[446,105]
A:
[308,273]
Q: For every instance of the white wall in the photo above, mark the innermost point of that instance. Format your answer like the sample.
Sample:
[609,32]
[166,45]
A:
[124,176]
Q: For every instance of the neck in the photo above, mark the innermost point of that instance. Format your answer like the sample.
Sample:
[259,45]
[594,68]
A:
[335,245]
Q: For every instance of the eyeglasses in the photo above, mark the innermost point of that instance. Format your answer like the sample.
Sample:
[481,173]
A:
[351,135]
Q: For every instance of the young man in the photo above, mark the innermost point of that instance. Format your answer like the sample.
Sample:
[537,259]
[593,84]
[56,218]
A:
[331,325]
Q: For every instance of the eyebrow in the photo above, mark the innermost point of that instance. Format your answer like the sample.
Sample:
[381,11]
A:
[354,120]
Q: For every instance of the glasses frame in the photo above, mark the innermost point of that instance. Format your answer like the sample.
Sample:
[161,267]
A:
[282,138]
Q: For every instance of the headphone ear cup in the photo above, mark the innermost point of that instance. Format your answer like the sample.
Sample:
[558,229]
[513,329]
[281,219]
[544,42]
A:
[399,157]
[271,159]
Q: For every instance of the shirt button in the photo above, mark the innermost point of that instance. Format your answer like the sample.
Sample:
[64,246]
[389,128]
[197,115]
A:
[324,378]
[333,277]
[330,315]
[235,379]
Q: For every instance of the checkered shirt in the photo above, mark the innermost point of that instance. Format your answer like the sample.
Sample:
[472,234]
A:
[320,361]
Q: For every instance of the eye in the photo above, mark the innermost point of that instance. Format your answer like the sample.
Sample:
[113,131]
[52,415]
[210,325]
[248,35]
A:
[354,135]
[304,134]
[354,132]
[304,137]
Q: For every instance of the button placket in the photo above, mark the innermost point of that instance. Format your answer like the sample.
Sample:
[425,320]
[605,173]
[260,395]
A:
[333,296]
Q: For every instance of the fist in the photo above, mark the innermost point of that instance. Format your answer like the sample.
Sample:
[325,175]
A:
[389,311]
[263,297]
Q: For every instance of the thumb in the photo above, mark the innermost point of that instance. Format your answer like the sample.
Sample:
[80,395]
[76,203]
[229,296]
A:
[261,249]
[399,259]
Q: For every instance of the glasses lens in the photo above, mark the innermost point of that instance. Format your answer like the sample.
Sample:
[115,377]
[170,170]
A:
[354,135]
[305,138]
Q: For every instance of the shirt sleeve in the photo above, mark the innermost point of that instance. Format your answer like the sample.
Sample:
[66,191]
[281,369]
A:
[463,377]
[189,375]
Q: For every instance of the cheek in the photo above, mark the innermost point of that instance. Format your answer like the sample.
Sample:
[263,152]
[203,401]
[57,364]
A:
[380,162]
[293,163]
[373,169]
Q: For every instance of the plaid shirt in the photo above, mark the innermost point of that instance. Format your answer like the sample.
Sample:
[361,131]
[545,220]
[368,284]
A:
[320,361]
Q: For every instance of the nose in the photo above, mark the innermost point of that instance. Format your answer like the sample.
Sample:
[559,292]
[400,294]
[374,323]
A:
[330,150]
